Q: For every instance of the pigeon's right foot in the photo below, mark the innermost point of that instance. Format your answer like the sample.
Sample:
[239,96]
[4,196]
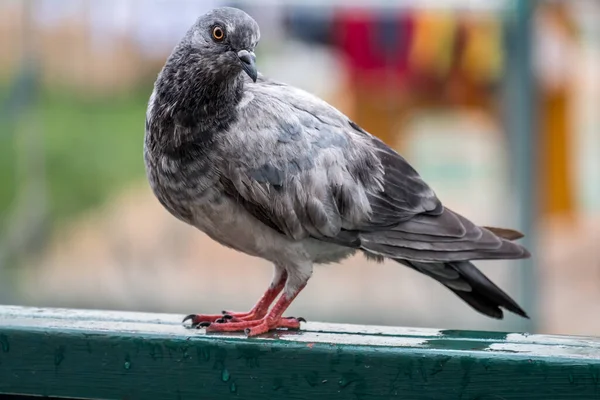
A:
[258,311]
[272,320]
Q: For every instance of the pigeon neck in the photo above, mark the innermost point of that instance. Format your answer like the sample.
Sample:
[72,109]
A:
[196,89]
[203,98]
[201,104]
[220,98]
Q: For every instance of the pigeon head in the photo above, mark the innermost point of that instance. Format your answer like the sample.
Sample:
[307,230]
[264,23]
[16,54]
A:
[223,40]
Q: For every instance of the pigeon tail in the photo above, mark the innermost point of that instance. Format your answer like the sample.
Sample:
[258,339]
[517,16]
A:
[471,285]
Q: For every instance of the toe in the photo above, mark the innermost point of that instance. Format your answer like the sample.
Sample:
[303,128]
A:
[197,319]
[289,323]
[258,329]
[232,326]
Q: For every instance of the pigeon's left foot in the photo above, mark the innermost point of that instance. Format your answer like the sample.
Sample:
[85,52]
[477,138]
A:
[273,320]
[201,320]
[257,313]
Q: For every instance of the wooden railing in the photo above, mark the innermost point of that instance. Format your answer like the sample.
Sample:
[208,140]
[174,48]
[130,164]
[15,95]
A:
[79,354]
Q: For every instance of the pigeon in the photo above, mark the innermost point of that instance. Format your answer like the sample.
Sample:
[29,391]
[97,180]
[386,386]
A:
[275,172]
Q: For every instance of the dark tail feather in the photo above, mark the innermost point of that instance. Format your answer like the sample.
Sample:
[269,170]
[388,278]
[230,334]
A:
[471,285]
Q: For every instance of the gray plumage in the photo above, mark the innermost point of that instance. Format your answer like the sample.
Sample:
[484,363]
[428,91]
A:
[275,172]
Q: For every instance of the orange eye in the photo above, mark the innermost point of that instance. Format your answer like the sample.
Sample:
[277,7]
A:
[218,33]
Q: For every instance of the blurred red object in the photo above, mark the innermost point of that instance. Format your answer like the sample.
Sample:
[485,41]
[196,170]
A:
[375,43]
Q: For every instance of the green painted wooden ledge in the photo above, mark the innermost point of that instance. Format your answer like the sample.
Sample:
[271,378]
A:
[121,355]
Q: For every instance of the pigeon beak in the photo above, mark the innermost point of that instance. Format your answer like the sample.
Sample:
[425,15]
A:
[248,63]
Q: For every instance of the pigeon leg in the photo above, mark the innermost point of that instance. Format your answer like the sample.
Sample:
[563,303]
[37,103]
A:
[258,311]
[272,320]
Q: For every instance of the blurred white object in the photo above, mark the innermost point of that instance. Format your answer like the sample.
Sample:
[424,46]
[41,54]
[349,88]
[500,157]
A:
[316,69]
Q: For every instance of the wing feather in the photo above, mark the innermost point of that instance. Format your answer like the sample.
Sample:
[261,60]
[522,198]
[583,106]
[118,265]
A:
[306,170]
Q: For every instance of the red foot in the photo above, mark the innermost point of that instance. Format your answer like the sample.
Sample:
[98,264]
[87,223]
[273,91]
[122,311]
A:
[203,320]
[256,327]
[257,312]
[257,321]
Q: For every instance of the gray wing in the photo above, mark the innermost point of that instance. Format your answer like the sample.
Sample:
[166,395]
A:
[303,168]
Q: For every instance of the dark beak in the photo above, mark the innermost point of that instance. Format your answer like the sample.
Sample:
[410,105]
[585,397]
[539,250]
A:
[248,63]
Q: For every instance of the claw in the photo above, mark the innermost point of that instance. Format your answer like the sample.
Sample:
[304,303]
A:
[204,324]
[227,316]
[188,317]
[301,319]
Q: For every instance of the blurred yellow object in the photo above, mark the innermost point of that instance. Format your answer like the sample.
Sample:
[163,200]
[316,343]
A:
[433,42]
[557,191]
[482,57]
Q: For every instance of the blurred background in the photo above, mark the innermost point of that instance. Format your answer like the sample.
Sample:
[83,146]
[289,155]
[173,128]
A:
[495,102]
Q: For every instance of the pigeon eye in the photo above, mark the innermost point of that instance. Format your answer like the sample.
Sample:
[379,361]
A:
[218,33]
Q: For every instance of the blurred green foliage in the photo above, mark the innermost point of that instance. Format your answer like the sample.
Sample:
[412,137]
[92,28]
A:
[92,146]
